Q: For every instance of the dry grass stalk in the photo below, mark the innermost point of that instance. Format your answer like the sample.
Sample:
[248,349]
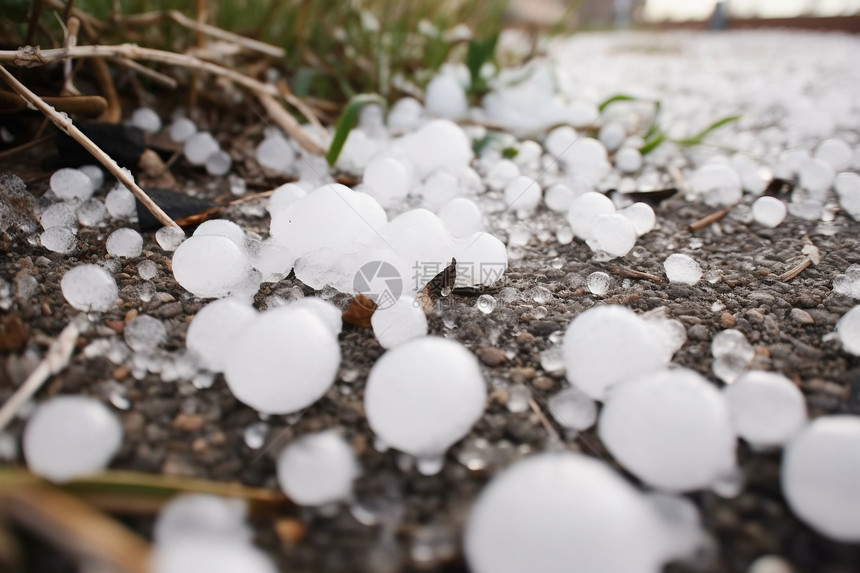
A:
[158,77]
[221,34]
[711,219]
[632,274]
[86,105]
[288,123]
[65,124]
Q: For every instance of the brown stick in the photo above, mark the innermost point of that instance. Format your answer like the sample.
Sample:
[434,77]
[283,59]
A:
[631,274]
[69,88]
[288,123]
[711,219]
[216,32]
[90,106]
[790,274]
[65,124]
[148,72]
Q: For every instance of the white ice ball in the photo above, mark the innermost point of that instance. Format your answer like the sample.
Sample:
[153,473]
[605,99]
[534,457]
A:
[213,331]
[210,266]
[317,469]
[89,288]
[767,408]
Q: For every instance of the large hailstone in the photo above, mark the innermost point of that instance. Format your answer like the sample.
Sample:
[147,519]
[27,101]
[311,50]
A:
[671,429]
[202,515]
[282,361]
[210,554]
[606,345]
[317,469]
[562,513]
[70,437]
[89,288]
[213,331]
[423,396]
[210,266]
[767,408]
[821,476]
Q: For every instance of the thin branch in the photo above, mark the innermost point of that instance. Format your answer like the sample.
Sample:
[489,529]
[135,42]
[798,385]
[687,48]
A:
[65,124]
[791,273]
[69,88]
[163,79]
[550,430]
[55,360]
[711,219]
[86,105]
[288,123]
[632,274]
[297,103]
[216,32]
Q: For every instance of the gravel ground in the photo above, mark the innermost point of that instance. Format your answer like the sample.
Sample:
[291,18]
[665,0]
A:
[402,520]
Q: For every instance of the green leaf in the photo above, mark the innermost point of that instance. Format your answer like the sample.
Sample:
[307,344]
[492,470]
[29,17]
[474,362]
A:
[479,53]
[654,128]
[348,120]
[620,97]
[700,137]
[653,143]
[509,152]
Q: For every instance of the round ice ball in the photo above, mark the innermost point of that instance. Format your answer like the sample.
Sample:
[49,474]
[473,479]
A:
[398,323]
[717,184]
[317,469]
[522,195]
[848,330]
[641,215]
[124,242]
[387,180]
[445,97]
[682,268]
[482,259]
[146,119]
[69,184]
[561,513]
[583,211]
[69,437]
[210,266]
[282,361]
[214,329]
[181,129]
[769,211]
[201,515]
[628,160]
[331,315]
[461,217]
[819,476]
[222,228]
[592,343]
[767,409]
[671,429]
[199,147]
[613,234]
[89,288]
[210,554]
[284,195]
[424,395]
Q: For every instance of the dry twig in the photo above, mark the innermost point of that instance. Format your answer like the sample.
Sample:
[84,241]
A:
[711,219]
[631,274]
[216,32]
[65,124]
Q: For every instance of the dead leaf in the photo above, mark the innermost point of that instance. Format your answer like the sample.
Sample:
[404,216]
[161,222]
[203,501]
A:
[359,312]
[440,285]
[13,334]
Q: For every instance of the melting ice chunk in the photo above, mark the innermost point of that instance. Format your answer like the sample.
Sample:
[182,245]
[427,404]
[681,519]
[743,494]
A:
[68,184]
[282,361]
[124,242]
[732,354]
[424,395]
[598,283]
[120,202]
[585,209]
[59,239]
[144,332]
[591,520]
[671,429]
[682,269]
[317,469]
[69,437]
[89,288]
[572,408]
[848,283]
[612,234]
[819,469]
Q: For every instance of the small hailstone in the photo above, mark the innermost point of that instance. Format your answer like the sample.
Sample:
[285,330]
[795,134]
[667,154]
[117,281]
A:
[331,315]
[218,163]
[847,187]
[501,174]
[438,145]
[613,234]
[572,408]
[835,152]
[95,173]
[387,180]
[59,239]
[819,476]
[69,437]
[486,303]
[558,197]
[591,346]
[318,469]
[214,329]
[399,323]
[91,213]
[717,184]
[210,265]
[628,160]
[598,283]
[405,115]
[147,270]
[68,184]
[144,332]
[612,135]
[438,189]
[61,214]
[807,209]
[522,195]
[669,332]
[848,329]
[642,216]
[124,242]
[169,238]
[682,522]
[590,519]
[89,288]
[682,269]
[223,228]
[181,129]
[284,195]
[120,202]
[817,176]
[769,211]
[585,209]
[671,429]
[732,354]
[849,282]
[199,147]
[559,141]
[528,154]
[210,554]
[770,564]
[482,259]
[282,361]
[461,217]
[424,395]
[146,119]
[273,260]
[767,409]
[445,97]
[201,515]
